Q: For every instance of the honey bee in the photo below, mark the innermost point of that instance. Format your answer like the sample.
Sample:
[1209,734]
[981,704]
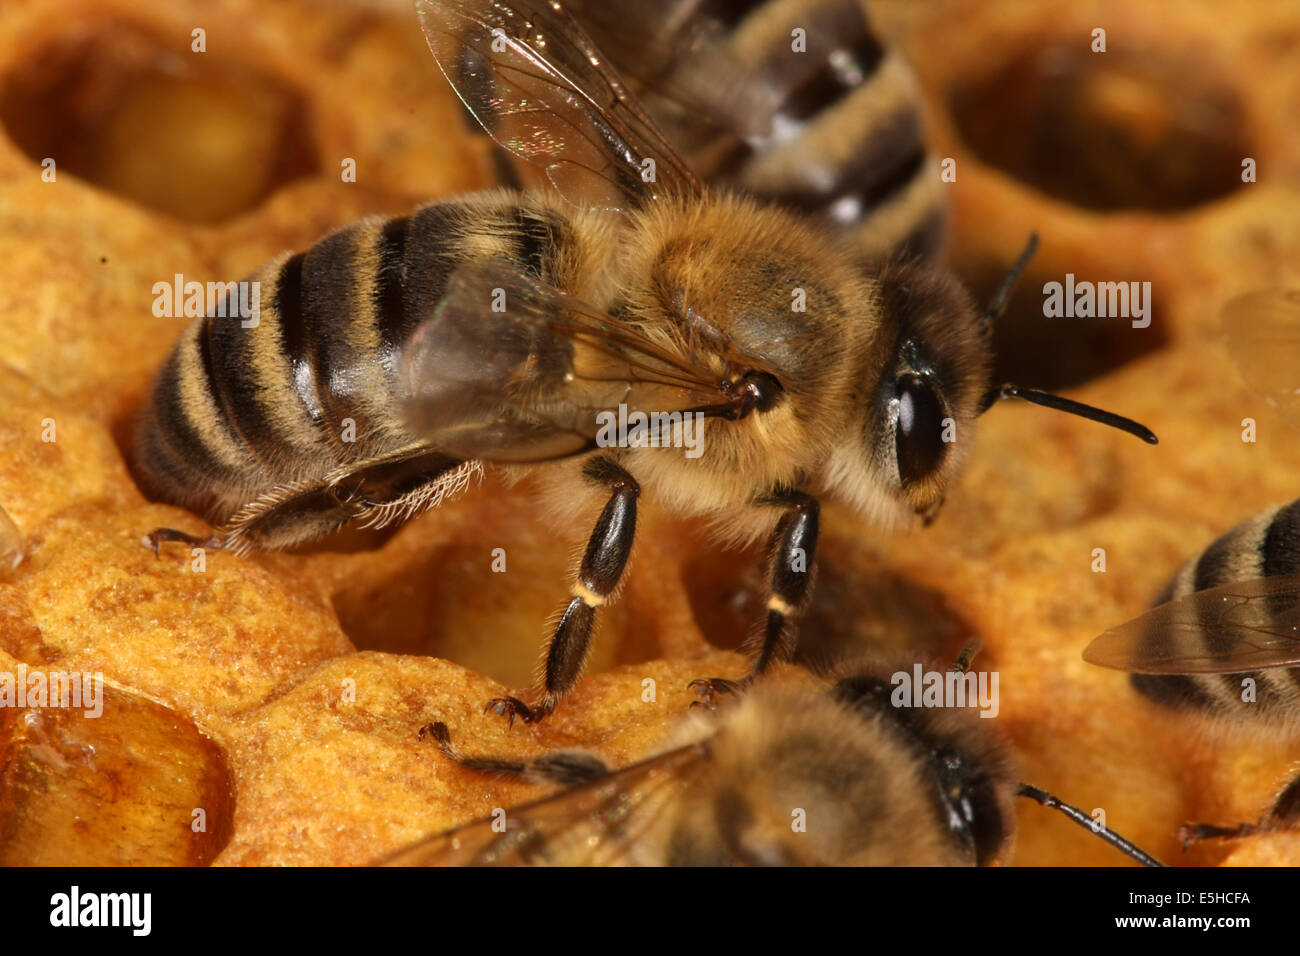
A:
[393,360]
[1224,641]
[781,775]
[795,102]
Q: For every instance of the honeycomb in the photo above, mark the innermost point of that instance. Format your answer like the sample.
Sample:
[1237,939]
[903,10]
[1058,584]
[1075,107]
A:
[263,710]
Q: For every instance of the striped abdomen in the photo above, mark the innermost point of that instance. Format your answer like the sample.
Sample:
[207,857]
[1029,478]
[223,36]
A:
[284,426]
[845,141]
[1266,546]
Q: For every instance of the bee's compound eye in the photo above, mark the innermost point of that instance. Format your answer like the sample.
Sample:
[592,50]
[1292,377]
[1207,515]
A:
[918,435]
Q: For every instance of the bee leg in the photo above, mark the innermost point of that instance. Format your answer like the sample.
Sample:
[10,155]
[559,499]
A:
[792,549]
[1189,833]
[1286,808]
[566,767]
[711,690]
[1284,815]
[598,576]
[512,707]
[158,536]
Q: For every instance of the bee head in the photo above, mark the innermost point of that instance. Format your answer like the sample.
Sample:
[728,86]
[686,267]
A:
[967,772]
[934,382]
[923,392]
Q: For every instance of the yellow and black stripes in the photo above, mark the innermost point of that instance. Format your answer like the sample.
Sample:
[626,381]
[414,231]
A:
[251,373]
[187,449]
[842,137]
[280,417]
[846,140]
[1265,546]
[861,164]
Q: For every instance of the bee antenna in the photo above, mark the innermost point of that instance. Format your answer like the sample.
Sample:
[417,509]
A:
[998,304]
[1125,846]
[1070,406]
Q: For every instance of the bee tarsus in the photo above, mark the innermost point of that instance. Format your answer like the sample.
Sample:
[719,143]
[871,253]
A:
[512,707]
[438,731]
[711,690]
[567,767]
[1190,834]
[1283,815]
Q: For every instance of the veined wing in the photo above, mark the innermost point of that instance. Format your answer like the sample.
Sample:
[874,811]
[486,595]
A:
[1244,626]
[510,368]
[539,86]
[607,822]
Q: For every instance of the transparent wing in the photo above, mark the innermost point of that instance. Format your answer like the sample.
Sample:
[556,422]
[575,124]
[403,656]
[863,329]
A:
[1262,330]
[675,56]
[537,83]
[602,823]
[510,368]
[1244,626]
